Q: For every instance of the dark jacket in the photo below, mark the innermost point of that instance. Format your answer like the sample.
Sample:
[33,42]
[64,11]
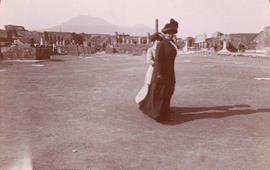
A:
[164,63]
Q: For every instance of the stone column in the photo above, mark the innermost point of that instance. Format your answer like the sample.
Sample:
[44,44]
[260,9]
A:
[186,46]
[123,40]
[54,47]
[41,41]
[224,48]
[59,50]
[156,25]
[224,45]
[85,43]
[116,37]
[148,38]
[139,40]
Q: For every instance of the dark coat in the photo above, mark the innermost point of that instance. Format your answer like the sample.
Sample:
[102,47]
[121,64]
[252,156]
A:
[157,102]
[164,63]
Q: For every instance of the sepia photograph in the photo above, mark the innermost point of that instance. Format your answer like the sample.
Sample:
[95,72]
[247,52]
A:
[134,85]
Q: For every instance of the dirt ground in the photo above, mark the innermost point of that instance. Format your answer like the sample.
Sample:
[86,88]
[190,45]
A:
[80,113]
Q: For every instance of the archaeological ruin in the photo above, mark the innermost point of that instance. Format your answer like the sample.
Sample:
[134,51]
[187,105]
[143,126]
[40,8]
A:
[17,42]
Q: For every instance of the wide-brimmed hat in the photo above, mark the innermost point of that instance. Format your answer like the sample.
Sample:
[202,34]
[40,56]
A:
[156,36]
[170,28]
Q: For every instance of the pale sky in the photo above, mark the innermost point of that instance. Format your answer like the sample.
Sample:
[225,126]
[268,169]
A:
[194,16]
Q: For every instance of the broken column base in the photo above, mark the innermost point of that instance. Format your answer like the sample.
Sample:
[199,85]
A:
[224,52]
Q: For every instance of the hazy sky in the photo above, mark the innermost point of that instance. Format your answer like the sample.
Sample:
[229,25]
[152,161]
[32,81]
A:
[194,16]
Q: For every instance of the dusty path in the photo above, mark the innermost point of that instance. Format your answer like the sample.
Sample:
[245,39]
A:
[80,113]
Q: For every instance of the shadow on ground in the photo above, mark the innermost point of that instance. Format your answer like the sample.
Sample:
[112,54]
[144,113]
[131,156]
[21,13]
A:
[186,114]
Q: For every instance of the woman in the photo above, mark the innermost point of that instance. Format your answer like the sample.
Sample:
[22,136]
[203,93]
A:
[150,59]
[157,102]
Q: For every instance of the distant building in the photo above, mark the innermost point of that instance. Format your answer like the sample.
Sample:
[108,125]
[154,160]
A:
[200,41]
[180,43]
[128,39]
[189,44]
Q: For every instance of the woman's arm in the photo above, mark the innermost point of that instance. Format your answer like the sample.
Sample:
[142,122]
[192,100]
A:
[149,56]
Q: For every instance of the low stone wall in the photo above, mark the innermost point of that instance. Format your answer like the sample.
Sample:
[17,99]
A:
[78,50]
[248,53]
[17,52]
[110,50]
[135,49]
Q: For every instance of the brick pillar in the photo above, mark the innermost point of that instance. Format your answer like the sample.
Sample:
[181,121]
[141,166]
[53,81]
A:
[123,40]
[116,37]
[156,26]
[148,38]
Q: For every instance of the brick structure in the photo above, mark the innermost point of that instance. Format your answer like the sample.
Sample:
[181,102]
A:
[200,41]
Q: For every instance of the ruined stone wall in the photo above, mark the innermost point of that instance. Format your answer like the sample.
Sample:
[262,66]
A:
[24,51]
[263,40]
[18,53]
[26,36]
[135,49]
[78,50]
[3,34]
[245,39]
[15,27]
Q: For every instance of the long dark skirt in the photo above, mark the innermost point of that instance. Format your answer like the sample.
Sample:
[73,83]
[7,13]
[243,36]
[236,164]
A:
[157,102]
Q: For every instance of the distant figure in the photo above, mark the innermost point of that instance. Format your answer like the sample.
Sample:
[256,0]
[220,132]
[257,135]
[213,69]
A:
[150,59]
[157,102]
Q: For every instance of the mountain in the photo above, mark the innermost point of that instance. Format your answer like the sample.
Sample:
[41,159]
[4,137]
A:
[94,25]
